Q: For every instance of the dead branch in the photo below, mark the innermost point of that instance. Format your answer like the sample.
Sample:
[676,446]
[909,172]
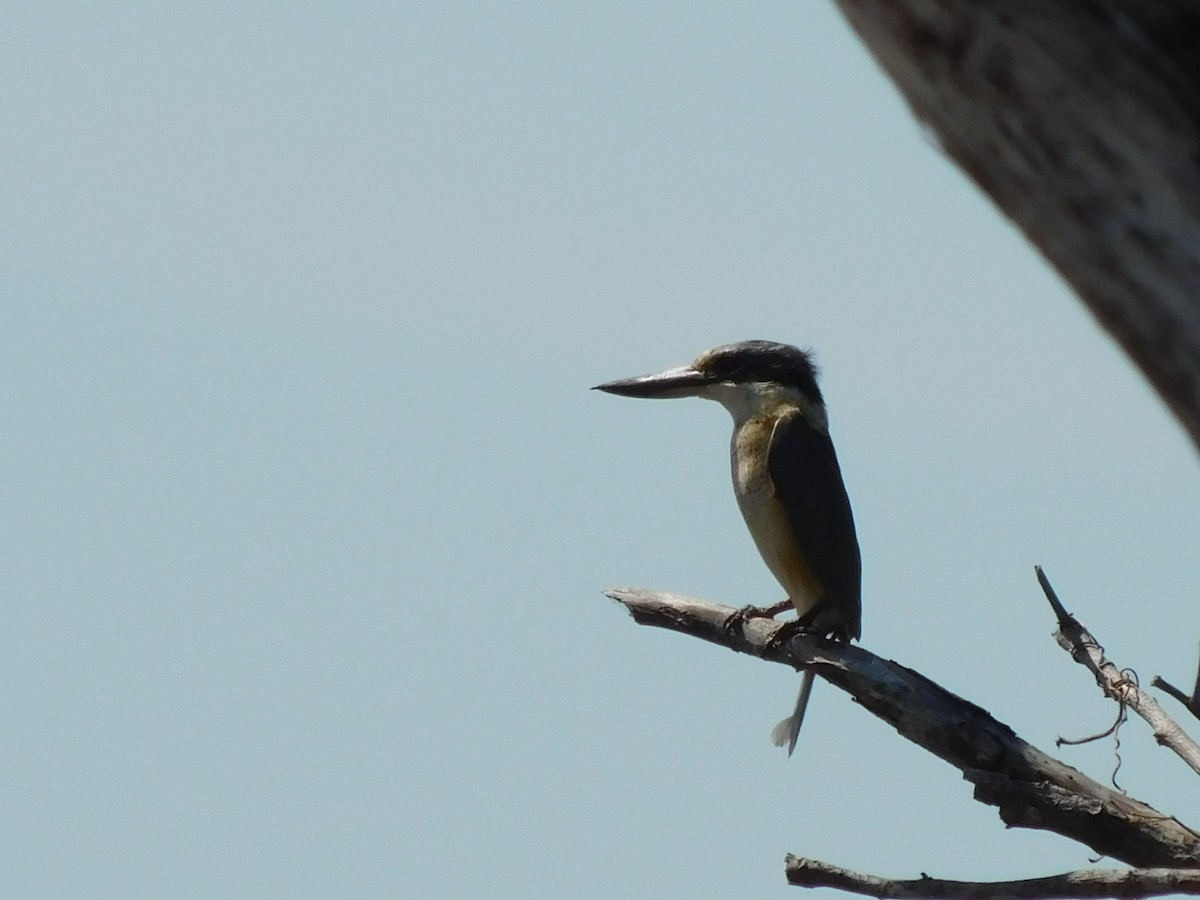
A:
[1088,883]
[1086,651]
[1082,122]
[1030,788]
[1192,703]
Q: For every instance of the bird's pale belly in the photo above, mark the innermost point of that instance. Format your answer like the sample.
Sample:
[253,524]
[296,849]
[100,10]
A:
[765,517]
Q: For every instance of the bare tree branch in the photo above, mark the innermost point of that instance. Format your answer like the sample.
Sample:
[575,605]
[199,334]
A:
[1192,703]
[1088,883]
[1030,788]
[1086,651]
[1081,121]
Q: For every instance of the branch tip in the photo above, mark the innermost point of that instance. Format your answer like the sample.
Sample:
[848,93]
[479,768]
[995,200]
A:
[1190,703]
[1060,611]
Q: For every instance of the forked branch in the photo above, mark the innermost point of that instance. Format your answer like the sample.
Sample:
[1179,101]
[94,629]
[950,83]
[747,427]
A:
[1030,788]
[1087,651]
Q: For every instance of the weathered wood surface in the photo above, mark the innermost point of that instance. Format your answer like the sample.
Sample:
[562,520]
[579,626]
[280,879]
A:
[1088,883]
[1081,121]
[1030,788]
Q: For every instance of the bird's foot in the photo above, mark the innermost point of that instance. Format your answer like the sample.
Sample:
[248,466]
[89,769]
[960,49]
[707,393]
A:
[737,621]
[785,633]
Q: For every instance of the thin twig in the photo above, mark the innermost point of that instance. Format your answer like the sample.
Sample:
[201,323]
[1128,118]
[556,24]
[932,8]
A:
[1061,741]
[1192,703]
[1167,688]
[1087,651]
[1086,883]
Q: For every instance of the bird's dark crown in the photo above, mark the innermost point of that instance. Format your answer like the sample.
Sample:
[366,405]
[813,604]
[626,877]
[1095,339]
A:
[762,361]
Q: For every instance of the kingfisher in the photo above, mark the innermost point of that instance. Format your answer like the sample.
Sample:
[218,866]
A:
[787,482]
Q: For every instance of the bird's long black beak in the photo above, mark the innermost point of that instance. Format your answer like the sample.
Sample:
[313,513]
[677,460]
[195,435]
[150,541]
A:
[683,381]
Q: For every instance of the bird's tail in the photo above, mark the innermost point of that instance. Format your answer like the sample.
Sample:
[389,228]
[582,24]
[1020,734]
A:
[787,731]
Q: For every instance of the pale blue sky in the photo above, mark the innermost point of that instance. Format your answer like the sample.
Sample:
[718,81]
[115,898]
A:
[307,507]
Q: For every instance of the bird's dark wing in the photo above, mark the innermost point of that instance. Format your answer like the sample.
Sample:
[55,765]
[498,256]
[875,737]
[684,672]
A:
[808,481]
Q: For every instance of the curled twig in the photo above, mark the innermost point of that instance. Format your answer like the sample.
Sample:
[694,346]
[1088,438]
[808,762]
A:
[1119,684]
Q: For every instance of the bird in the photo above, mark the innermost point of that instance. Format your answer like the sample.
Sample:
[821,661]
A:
[787,482]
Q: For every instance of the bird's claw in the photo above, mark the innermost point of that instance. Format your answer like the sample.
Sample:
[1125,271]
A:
[737,620]
[785,633]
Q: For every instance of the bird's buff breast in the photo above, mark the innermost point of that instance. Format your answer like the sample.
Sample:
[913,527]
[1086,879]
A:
[764,514]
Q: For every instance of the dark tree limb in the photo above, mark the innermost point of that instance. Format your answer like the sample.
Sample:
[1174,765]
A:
[1192,703]
[1030,788]
[1088,652]
[1081,121]
[1088,883]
